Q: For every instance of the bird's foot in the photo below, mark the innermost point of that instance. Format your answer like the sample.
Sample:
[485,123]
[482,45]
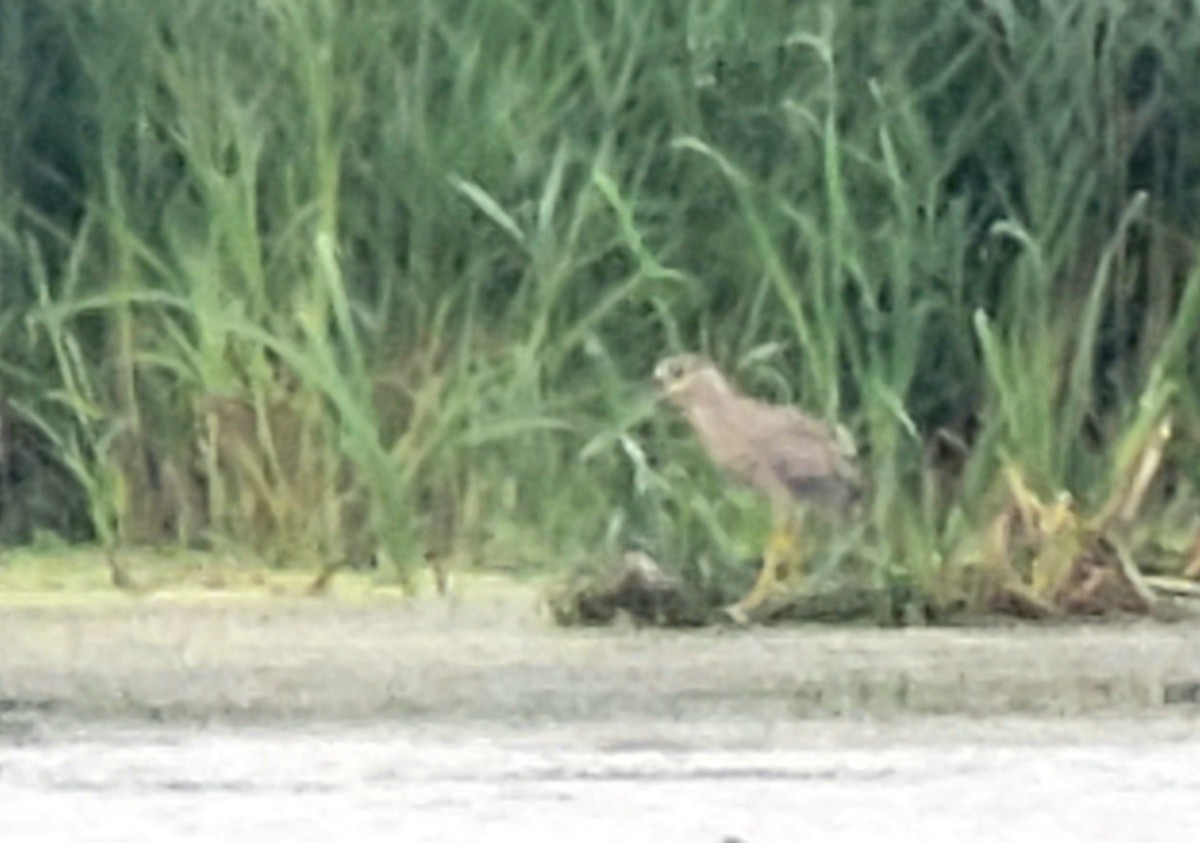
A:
[736,615]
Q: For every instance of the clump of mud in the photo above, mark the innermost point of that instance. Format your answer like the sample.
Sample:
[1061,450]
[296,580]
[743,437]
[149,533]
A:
[637,588]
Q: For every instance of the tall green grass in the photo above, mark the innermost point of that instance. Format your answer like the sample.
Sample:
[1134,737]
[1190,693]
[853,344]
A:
[322,280]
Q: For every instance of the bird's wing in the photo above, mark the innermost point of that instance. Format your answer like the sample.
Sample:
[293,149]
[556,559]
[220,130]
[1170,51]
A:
[805,455]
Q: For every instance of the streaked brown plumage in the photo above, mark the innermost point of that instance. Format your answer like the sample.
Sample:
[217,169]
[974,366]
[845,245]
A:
[791,458]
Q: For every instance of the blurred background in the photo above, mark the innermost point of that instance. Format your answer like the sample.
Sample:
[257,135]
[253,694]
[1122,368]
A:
[354,282]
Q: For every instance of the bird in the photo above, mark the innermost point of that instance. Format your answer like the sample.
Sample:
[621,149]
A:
[794,460]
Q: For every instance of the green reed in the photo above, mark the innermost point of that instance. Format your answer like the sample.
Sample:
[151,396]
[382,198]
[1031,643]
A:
[325,278]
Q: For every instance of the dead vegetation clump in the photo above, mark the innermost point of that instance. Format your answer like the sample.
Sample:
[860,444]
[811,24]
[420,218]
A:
[1044,557]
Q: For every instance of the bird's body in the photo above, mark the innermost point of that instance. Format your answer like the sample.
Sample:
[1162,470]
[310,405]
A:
[791,458]
[778,450]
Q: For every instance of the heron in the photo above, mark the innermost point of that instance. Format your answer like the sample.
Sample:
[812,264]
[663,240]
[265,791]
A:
[794,460]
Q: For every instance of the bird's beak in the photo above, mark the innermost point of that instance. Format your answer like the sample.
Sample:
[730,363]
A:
[664,387]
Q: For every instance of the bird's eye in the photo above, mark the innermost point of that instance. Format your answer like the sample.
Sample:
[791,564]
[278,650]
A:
[675,370]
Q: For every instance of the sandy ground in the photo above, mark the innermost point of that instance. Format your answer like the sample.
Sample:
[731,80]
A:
[180,717]
[497,658]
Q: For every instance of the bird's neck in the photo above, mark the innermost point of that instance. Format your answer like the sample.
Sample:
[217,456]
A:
[708,411]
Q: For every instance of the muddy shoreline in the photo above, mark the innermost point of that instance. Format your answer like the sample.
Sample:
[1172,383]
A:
[502,660]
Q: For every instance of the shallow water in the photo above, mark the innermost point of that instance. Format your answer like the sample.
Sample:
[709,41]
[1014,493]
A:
[693,783]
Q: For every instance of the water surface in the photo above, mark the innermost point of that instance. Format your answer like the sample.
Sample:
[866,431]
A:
[932,780]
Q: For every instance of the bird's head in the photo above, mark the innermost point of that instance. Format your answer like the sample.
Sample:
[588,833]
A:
[682,377]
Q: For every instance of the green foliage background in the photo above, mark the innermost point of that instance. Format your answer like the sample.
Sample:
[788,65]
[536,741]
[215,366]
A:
[311,278]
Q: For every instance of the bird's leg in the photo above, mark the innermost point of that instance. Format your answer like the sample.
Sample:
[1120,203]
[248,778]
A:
[783,559]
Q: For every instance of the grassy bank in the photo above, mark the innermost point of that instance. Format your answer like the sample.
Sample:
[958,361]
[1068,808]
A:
[320,282]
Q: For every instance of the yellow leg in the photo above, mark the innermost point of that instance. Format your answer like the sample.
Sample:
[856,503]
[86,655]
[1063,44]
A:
[783,560]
